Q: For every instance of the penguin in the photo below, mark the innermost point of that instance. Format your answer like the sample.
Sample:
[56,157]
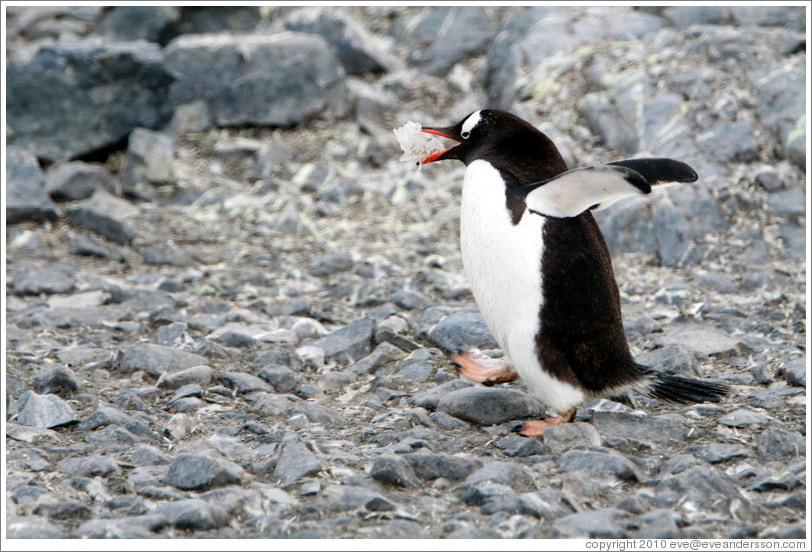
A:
[540,270]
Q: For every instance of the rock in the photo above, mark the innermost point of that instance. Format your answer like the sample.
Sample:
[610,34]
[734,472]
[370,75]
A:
[783,480]
[126,23]
[25,281]
[331,263]
[706,488]
[716,453]
[384,353]
[94,465]
[132,527]
[355,48]
[201,473]
[776,444]
[731,141]
[243,383]
[211,19]
[794,372]
[282,378]
[59,381]
[657,524]
[193,514]
[307,80]
[32,527]
[489,405]
[745,417]
[561,438]
[86,247]
[91,97]
[347,344]
[704,339]
[440,37]
[77,180]
[685,16]
[156,360]
[104,416]
[26,198]
[600,524]
[149,158]
[619,427]
[393,470]
[431,466]
[200,375]
[597,464]
[105,215]
[63,511]
[295,462]
[44,411]
[348,498]
[504,473]
[519,446]
[147,455]
[459,332]
[430,399]
[674,358]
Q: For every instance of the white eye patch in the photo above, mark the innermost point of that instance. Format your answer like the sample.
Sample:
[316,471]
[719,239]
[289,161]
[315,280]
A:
[470,123]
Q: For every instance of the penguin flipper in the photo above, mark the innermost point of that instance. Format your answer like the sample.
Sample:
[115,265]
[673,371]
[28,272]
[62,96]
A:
[575,191]
[659,170]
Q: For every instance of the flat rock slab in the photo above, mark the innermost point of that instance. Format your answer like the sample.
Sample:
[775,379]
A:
[704,339]
[489,406]
[156,360]
[44,411]
[192,472]
[348,344]
[26,198]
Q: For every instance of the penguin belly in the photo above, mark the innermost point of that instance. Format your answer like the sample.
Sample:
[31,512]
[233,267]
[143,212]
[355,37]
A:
[502,262]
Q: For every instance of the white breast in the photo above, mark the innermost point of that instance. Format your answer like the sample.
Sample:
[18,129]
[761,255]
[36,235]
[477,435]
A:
[503,266]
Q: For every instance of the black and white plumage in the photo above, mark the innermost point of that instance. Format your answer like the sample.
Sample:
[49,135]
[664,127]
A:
[539,267]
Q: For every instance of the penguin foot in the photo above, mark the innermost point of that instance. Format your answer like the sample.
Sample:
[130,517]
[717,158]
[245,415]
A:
[474,371]
[536,427]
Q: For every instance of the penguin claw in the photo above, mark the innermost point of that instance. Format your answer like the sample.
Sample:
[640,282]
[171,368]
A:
[472,370]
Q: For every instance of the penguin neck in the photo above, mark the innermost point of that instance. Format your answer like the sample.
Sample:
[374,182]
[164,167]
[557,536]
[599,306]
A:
[529,156]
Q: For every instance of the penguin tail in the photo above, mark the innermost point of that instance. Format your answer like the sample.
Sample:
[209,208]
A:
[680,389]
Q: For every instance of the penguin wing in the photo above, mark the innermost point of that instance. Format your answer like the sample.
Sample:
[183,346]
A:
[575,191]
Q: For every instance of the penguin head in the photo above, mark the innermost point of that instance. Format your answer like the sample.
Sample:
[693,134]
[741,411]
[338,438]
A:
[499,137]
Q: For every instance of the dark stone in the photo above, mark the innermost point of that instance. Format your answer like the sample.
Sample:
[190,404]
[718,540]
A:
[331,263]
[243,382]
[685,16]
[282,378]
[59,381]
[167,254]
[619,427]
[783,480]
[131,527]
[44,411]
[90,96]
[156,360]
[745,417]
[212,19]
[706,488]
[149,158]
[431,399]
[126,23]
[458,332]
[393,470]
[193,514]
[503,473]
[561,438]
[520,446]
[716,453]
[63,511]
[347,344]
[104,416]
[295,462]
[105,215]
[596,524]
[78,180]
[86,247]
[348,498]
[200,375]
[657,524]
[776,444]
[282,79]
[489,406]
[597,464]
[673,358]
[430,466]
[89,466]
[354,47]
[26,198]
[32,527]
[200,473]
[147,455]
[32,281]
[794,372]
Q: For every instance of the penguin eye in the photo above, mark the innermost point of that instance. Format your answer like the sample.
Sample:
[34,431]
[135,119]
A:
[465,134]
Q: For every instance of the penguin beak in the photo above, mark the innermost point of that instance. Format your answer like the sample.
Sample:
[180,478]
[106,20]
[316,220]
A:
[445,132]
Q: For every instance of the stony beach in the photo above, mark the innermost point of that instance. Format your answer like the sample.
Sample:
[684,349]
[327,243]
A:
[229,304]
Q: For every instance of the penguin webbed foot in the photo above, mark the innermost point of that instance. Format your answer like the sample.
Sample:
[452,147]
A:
[535,428]
[472,370]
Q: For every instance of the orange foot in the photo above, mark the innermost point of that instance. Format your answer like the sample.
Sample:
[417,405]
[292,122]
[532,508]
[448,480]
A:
[474,371]
[536,428]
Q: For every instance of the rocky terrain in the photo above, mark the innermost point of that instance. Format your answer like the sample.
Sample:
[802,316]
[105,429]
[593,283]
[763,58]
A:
[229,304]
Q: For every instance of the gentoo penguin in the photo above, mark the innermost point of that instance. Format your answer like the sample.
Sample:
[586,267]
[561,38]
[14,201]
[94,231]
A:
[540,270]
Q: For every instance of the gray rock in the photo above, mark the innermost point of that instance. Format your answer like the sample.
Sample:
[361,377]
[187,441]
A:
[193,514]
[707,489]
[89,466]
[440,37]
[354,47]
[673,358]
[431,466]
[192,472]
[744,417]
[211,19]
[600,524]
[503,473]
[685,16]
[147,455]
[330,263]
[561,438]
[619,427]
[58,381]
[243,383]
[156,360]
[393,470]
[84,106]
[599,464]
[794,372]
[86,247]
[78,180]
[112,437]
[44,411]
[284,79]
[459,332]
[295,462]
[126,23]
[26,198]
[657,524]
[348,498]
[704,339]
[200,375]
[105,215]
[489,406]
[167,254]
[31,281]
[149,157]
[783,480]
[776,444]
[63,511]
[347,344]
[716,453]
[731,142]
[778,16]
[104,416]
[431,399]
[131,527]
[32,527]
[282,378]
[385,353]
[520,446]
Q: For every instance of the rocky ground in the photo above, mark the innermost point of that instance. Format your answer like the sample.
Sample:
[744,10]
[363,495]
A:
[228,303]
